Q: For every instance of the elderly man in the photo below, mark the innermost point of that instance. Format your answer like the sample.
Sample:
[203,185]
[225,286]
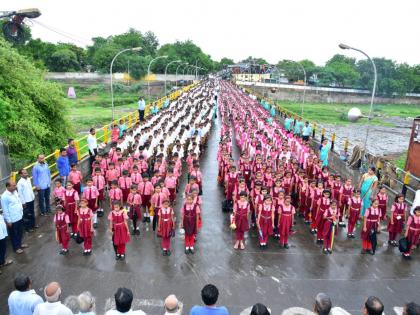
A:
[13,213]
[322,305]
[172,306]
[52,306]
[141,107]
[3,243]
[92,145]
[41,177]
[27,197]
[123,301]
[24,299]
[86,303]
[373,306]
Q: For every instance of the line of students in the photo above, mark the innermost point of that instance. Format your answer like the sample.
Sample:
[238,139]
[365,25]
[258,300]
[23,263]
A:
[139,179]
[279,175]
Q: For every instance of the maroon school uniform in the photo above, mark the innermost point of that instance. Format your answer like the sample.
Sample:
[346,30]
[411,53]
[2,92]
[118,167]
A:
[61,222]
[70,207]
[120,235]
[314,207]
[265,222]
[372,216]
[85,218]
[328,227]
[232,182]
[241,219]
[413,236]
[166,226]
[346,193]
[398,215]
[190,223]
[285,223]
[383,200]
[354,213]
[324,204]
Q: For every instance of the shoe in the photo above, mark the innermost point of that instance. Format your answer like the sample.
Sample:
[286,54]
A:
[85,253]
[329,250]
[19,251]
[192,251]
[122,257]
[144,220]
[24,246]
[117,257]
[164,253]
[95,225]
[187,251]
[325,251]
[6,263]
[168,252]
[286,246]
[389,242]
[348,235]
[372,252]
[341,224]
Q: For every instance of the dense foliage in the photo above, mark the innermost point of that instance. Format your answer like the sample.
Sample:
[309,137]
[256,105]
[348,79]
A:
[32,110]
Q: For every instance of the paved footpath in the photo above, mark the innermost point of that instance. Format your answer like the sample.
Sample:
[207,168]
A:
[276,277]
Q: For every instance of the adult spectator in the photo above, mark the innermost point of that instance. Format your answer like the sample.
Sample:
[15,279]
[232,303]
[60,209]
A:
[209,295]
[306,131]
[123,301]
[3,243]
[411,309]
[122,127]
[24,299]
[322,304]
[72,303]
[92,145]
[13,214]
[416,201]
[373,306]
[27,197]
[63,166]
[172,305]
[86,303]
[41,177]
[72,152]
[52,306]
[141,107]
[260,309]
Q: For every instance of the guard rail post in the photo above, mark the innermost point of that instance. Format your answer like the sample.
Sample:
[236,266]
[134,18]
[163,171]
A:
[106,135]
[322,134]
[406,183]
[76,143]
[332,141]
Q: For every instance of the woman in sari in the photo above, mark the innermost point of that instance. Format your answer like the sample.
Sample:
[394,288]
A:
[367,185]
[324,152]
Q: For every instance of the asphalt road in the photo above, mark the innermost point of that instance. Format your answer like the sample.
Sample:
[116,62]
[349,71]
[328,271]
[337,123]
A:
[277,277]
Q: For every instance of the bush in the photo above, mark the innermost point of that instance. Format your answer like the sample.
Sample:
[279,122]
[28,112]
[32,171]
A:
[32,110]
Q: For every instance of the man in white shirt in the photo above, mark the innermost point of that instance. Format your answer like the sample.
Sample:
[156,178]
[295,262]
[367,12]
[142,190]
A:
[27,197]
[123,301]
[52,306]
[92,145]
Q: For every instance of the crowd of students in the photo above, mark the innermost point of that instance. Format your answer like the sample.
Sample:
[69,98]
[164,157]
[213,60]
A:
[279,176]
[139,179]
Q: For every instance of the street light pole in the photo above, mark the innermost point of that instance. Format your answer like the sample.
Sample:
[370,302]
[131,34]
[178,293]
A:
[375,78]
[176,73]
[148,73]
[166,70]
[110,74]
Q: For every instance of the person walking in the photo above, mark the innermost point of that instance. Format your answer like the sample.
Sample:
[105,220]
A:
[3,243]
[63,166]
[24,299]
[141,107]
[27,197]
[92,145]
[41,177]
[13,214]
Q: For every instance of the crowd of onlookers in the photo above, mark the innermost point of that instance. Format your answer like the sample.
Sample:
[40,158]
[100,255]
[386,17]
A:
[25,301]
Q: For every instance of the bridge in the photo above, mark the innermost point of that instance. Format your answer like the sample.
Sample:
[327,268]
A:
[276,277]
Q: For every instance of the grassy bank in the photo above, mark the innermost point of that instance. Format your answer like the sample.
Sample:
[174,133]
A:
[337,113]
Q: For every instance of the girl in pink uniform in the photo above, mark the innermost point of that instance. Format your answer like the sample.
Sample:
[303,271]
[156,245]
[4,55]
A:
[146,190]
[286,218]
[100,183]
[91,194]
[355,205]
[118,227]
[115,194]
[323,205]
[189,222]
[330,224]
[166,227]
[241,211]
[382,197]
[59,191]
[134,203]
[171,183]
[412,232]
[371,224]
[62,235]
[397,219]
[76,178]
[124,182]
[71,197]
[265,220]
[85,225]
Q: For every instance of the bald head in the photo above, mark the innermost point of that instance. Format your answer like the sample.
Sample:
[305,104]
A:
[52,292]
[171,304]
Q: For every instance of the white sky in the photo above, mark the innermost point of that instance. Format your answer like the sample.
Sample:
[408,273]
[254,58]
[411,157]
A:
[272,29]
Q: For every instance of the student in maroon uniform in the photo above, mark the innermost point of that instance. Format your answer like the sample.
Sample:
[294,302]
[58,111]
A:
[134,203]
[412,232]
[265,220]
[118,227]
[189,222]
[371,225]
[286,218]
[85,226]
[71,197]
[323,205]
[62,235]
[397,219]
[330,228]
[241,211]
[355,205]
[166,227]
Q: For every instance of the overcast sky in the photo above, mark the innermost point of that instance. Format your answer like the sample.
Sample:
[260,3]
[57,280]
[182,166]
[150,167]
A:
[272,29]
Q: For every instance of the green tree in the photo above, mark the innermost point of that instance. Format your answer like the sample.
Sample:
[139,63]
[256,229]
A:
[32,110]
[224,62]
[63,60]
[343,70]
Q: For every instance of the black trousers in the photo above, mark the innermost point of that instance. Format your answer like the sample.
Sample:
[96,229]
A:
[15,234]
[92,158]
[3,245]
[29,216]
[141,115]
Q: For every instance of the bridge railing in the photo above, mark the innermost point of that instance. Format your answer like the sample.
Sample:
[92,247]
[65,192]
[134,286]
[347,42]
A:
[103,133]
[393,178]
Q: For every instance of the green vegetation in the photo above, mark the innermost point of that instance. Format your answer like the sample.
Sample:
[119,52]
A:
[337,113]
[400,161]
[32,110]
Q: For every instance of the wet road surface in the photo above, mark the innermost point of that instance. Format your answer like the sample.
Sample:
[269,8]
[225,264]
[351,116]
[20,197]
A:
[276,277]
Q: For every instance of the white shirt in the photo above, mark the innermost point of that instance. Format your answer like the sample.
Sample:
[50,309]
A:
[92,143]
[55,308]
[416,201]
[25,191]
[130,312]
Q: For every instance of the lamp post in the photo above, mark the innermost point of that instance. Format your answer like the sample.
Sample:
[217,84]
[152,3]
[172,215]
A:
[148,72]
[166,70]
[176,73]
[304,82]
[110,74]
[344,46]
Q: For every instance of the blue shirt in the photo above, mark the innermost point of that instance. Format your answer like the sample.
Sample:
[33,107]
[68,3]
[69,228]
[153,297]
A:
[142,105]
[23,303]
[122,128]
[306,131]
[12,206]
[41,175]
[298,127]
[205,310]
[3,228]
[63,165]
[166,103]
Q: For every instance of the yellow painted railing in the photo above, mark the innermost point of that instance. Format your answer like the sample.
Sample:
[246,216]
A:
[103,133]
